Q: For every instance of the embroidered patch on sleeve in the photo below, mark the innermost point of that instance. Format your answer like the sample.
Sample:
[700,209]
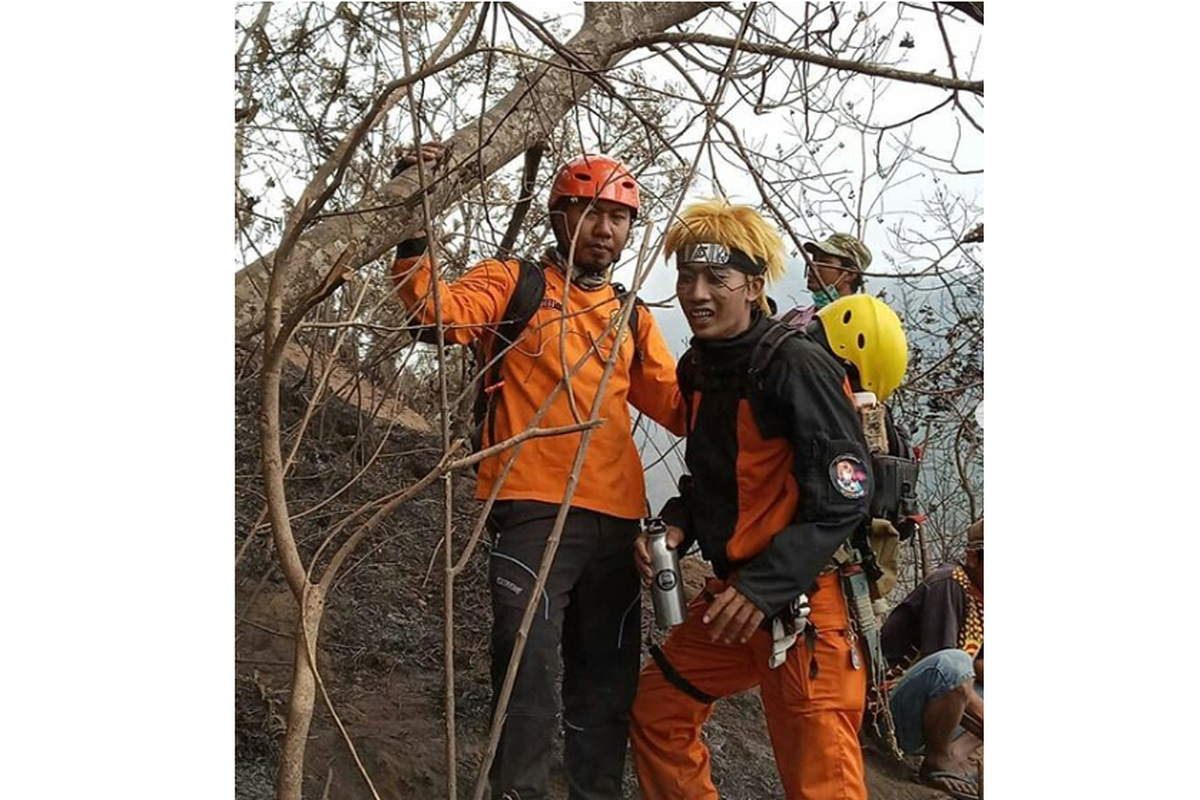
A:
[849,476]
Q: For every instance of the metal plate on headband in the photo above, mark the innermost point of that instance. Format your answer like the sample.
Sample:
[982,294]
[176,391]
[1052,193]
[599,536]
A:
[705,253]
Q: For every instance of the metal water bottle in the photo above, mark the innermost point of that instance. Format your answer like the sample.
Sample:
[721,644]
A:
[667,587]
[871,413]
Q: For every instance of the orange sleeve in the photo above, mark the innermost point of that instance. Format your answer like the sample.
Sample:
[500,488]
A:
[653,385]
[469,304]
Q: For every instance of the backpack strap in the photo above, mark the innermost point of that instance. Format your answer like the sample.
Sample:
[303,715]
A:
[799,317]
[765,349]
[634,317]
[685,373]
[522,305]
[526,297]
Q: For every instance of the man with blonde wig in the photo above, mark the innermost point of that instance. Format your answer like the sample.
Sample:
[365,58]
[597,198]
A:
[772,434]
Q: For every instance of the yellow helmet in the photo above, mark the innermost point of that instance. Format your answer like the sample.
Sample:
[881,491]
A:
[866,332]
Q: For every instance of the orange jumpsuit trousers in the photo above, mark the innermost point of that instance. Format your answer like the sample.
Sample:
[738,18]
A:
[813,721]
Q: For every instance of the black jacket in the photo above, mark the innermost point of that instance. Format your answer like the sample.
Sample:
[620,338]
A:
[764,452]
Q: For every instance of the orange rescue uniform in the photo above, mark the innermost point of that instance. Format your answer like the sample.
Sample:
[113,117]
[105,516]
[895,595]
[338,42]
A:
[812,717]
[577,331]
[779,478]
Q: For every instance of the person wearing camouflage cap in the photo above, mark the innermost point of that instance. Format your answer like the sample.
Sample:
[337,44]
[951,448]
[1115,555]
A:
[835,267]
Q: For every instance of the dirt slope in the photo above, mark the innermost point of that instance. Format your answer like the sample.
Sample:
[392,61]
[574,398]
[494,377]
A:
[381,645]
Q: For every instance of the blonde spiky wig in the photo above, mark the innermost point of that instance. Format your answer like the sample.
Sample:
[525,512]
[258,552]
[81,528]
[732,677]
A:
[717,221]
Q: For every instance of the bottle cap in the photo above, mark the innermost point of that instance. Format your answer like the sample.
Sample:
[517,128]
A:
[865,400]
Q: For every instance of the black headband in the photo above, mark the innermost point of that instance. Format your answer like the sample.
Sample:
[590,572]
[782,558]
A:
[720,256]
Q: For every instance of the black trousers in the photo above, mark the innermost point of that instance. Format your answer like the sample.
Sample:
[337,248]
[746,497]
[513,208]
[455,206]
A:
[591,607]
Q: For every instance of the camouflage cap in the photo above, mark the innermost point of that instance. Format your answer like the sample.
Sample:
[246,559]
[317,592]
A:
[845,246]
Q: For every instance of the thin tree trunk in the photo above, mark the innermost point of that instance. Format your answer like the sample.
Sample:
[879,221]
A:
[289,783]
[444,405]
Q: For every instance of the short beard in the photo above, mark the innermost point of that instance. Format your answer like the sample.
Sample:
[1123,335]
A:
[585,276]
[562,248]
[582,266]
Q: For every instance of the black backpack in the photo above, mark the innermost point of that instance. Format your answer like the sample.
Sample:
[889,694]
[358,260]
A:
[522,305]
[895,496]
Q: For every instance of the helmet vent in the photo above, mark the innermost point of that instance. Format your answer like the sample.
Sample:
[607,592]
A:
[583,176]
[862,341]
[846,317]
[627,184]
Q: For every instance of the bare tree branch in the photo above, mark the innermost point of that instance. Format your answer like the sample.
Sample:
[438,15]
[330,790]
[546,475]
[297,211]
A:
[512,126]
[972,10]
[780,51]
[533,158]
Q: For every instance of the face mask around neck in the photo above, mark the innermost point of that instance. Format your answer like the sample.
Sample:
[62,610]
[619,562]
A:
[823,297]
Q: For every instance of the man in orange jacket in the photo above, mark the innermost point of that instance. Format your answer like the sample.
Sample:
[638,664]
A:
[591,602]
[780,477]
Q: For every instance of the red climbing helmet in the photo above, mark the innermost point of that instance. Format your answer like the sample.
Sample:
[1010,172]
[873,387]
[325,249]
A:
[595,176]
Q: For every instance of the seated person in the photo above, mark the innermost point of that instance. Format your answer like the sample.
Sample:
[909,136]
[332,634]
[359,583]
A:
[933,642]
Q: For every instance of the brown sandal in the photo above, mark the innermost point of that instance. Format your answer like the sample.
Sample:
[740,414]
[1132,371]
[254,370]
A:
[960,786]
